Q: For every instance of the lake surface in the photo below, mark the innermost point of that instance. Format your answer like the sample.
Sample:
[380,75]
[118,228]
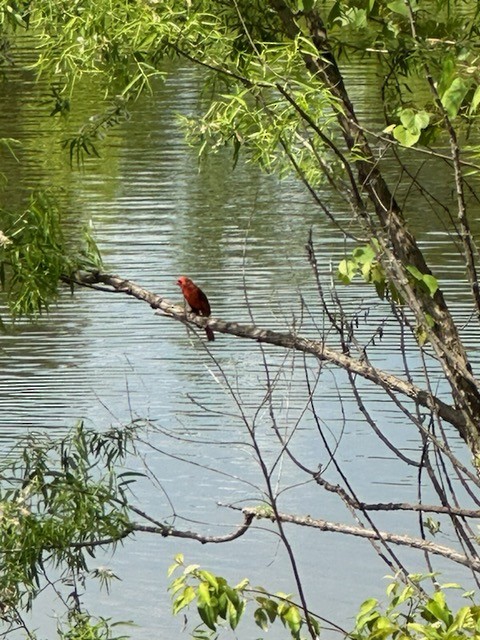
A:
[109,360]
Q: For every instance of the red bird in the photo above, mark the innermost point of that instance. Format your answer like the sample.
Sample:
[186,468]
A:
[196,300]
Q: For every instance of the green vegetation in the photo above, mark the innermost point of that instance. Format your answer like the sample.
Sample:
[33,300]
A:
[60,500]
[413,614]
[275,94]
[36,254]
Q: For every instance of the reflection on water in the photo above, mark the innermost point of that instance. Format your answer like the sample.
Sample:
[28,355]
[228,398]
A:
[108,359]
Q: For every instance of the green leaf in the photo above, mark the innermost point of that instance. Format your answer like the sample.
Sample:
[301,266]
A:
[367,613]
[305,5]
[381,288]
[347,271]
[414,120]
[235,613]
[399,6]
[261,619]
[207,615]
[453,97]
[425,279]
[314,624]
[184,600]
[421,119]
[364,254]
[377,274]
[431,282]
[405,594]
[407,118]
[419,628]
[335,12]
[191,568]
[384,627]
[177,584]
[406,136]
[450,585]
[204,593]
[366,270]
[475,100]
[463,617]
[411,127]
[270,607]
[242,585]
[209,578]
[438,609]
[293,619]
[416,273]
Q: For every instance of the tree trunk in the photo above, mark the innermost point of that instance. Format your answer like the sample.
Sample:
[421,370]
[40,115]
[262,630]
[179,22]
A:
[388,226]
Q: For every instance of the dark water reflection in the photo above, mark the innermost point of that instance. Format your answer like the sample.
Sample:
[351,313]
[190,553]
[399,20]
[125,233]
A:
[107,359]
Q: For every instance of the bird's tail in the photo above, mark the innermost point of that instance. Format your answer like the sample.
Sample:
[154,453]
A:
[210,334]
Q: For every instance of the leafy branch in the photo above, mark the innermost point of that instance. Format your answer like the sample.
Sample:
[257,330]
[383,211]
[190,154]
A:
[219,604]
[35,252]
[84,143]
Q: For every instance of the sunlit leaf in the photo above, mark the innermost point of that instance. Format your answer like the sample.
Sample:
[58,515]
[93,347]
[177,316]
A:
[453,97]
[261,619]
[399,6]
[405,136]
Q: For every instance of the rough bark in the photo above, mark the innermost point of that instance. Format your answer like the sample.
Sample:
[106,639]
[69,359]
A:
[370,534]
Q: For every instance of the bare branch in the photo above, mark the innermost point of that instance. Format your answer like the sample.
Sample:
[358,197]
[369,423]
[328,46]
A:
[397,506]
[316,348]
[393,538]
[167,531]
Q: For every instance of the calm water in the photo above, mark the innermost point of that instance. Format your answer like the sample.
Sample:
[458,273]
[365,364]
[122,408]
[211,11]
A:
[107,359]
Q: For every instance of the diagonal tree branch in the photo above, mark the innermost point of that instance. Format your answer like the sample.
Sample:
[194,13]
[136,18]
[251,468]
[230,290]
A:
[393,538]
[399,248]
[168,531]
[316,348]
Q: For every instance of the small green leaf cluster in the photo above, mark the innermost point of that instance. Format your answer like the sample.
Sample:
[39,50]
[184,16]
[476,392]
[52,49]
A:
[459,93]
[432,525]
[413,124]
[85,142]
[35,254]
[92,36]
[32,256]
[255,118]
[365,261]
[424,281]
[58,501]
[219,604]
[82,626]
[413,615]
[14,15]
[459,86]
[281,607]
[415,40]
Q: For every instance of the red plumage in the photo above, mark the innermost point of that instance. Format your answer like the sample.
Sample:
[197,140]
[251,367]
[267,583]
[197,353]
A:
[196,300]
